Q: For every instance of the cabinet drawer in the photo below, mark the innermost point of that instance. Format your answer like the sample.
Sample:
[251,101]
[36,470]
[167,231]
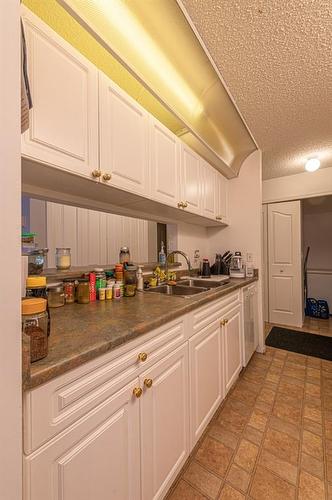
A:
[211,312]
[52,407]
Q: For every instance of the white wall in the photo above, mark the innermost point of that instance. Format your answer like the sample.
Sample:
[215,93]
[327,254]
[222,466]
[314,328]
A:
[298,186]
[10,251]
[317,233]
[245,230]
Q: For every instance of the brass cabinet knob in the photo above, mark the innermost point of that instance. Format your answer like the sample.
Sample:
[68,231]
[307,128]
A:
[96,173]
[137,392]
[142,356]
[219,217]
[185,204]
[180,204]
[148,382]
[224,322]
[107,177]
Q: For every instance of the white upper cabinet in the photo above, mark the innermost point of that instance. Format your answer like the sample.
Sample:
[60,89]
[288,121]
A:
[221,190]
[123,138]
[64,86]
[164,164]
[208,174]
[190,180]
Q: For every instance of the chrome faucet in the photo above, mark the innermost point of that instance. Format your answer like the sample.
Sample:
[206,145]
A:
[184,255]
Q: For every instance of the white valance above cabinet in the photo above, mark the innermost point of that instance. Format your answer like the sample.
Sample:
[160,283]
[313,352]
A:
[82,123]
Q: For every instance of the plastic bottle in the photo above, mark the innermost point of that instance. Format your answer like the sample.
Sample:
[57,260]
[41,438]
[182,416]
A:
[140,280]
[162,254]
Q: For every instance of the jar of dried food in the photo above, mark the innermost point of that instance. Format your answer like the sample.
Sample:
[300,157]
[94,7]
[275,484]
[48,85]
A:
[69,290]
[55,295]
[130,284]
[83,291]
[36,286]
[62,258]
[35,325]
[124,256]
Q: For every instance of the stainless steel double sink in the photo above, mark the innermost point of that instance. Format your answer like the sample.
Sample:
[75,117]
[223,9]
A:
[187,288]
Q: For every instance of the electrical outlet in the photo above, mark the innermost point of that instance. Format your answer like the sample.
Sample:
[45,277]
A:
[196,254]
[250,257]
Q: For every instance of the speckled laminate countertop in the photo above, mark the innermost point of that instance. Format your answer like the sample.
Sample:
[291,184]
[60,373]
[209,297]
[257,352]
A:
[80,333]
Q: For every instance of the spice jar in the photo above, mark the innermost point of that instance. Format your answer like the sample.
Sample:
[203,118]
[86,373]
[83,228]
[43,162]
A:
[130,285]
[55,295]
[119,272]
[69,290]
[62,258]
[35,325]
[36,286]
[83,291]
[100,278]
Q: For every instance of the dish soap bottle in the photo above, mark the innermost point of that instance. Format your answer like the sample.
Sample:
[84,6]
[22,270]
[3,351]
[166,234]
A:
[140,281]
[162,254]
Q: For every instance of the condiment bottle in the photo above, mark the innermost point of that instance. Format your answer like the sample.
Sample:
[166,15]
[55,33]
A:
[55,295]
[83,291]
[140,280]
[35,323]
[69,290]
[119,272]
[36,286]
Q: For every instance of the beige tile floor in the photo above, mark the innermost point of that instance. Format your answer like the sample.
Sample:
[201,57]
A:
[271,438]
[310,325]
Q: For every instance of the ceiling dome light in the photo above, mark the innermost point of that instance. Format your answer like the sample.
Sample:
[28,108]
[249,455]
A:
[312,165]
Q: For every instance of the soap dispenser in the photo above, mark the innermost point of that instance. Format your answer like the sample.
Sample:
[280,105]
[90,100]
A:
[162,254]
[140,280]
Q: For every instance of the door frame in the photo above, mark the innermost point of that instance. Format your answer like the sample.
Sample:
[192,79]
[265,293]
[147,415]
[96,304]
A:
[10,250]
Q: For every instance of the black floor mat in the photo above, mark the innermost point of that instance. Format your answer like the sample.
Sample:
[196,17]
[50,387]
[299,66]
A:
[310,344]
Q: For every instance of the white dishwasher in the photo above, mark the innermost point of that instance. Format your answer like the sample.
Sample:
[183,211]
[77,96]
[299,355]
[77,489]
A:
[250,322]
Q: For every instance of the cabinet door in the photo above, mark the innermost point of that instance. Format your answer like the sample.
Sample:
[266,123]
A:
[232,332]
[208,190]
[206,377]
[123,138]
[96,458]
[221,189]
[190,179]
[64,86]
[164,423]
[164,164]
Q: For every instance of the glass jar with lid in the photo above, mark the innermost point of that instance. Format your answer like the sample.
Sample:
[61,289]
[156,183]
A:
[35,324]
[55,295]
[130,284]
[36,286]
[62,258]
[69,290]
[124,255]
[83,291]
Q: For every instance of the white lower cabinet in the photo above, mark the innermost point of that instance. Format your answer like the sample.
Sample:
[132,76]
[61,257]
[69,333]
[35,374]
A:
[164,423]
[233,331]
[122,426]
[206,377]
[96,458]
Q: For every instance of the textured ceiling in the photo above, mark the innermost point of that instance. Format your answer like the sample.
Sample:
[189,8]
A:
[276,59]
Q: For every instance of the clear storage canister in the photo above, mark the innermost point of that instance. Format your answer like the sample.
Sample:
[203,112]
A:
[130,284]
[62,258]
[35,325]
[55,295]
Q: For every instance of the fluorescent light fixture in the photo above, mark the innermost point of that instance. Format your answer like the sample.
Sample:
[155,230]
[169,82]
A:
[312,164]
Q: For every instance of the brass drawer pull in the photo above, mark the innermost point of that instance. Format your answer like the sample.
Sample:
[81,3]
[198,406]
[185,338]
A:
[107,177]
[96,173]
[148,382]
[137,392]
[142,356]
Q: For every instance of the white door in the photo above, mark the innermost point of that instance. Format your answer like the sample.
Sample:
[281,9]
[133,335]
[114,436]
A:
[206,377]
[96,458]
[233,335]
[285,263]
[190,180]
[164,423]
[123,138]
[222,205]
[208,175]
[164,164]
[64,85]
[265,266]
